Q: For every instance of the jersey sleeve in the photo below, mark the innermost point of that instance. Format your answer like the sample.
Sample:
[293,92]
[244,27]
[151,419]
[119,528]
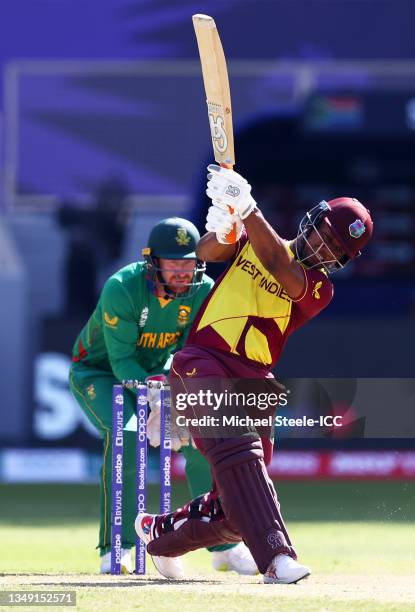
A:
[120,332]
[318,293]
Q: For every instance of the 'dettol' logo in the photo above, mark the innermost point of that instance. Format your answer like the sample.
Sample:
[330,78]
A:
[182,238]
[357,228]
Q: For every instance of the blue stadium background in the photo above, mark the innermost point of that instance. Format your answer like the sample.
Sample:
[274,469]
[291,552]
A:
[103,131]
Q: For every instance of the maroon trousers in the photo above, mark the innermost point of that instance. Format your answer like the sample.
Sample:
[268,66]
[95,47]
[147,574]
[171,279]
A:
[243,504]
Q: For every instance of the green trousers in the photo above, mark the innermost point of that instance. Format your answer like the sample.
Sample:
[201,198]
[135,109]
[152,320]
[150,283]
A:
[92,389]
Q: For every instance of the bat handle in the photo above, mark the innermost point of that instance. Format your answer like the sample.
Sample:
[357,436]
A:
[231,237]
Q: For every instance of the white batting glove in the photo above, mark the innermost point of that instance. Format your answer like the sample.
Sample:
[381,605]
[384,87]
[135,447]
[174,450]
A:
[228,188]
[221,221]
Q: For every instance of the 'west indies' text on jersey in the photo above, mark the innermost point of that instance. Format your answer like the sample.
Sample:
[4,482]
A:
[249,314]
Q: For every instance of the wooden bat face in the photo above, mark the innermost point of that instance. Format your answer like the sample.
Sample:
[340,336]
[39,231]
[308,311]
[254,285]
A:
[218,97]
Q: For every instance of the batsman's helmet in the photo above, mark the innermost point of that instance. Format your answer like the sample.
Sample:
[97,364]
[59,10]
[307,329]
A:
[349,222]
[173,238]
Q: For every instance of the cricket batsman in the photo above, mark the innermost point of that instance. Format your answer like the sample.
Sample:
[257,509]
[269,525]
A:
[271,287]
[143,315]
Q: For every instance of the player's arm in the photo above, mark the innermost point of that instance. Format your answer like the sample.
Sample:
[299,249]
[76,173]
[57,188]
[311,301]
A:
[227,188]
[120,332]
[210,249]
[272,252]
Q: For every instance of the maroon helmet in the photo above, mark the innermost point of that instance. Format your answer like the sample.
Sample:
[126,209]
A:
[350,223]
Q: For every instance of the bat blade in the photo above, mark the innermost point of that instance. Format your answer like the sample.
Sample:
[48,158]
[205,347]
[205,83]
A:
[216,82]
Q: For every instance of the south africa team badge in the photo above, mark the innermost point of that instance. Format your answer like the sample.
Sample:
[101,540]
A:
[184,314]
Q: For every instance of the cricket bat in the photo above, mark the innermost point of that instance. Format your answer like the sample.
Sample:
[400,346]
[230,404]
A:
[218,94]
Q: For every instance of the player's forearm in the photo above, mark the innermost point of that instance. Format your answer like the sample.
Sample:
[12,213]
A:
[268,245]
[272,252]
[209,249]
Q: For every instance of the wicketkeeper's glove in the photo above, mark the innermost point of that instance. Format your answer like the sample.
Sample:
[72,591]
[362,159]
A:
[179,437]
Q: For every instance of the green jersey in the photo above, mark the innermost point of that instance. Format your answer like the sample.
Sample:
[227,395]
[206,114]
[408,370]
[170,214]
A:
[132,332]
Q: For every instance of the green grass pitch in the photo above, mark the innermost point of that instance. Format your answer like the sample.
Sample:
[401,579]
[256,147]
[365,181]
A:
[358,538]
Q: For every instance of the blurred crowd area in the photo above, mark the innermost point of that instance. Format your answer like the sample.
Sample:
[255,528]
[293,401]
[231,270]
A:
[104,131]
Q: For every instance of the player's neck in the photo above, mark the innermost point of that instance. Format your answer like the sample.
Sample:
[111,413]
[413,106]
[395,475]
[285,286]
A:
[160,291]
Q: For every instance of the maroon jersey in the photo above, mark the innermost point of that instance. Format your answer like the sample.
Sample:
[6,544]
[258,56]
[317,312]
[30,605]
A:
[249,314]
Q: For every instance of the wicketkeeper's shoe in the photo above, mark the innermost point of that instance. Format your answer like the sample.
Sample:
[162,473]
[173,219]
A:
[236,559]
[169,567]
[126,565]
[284,570]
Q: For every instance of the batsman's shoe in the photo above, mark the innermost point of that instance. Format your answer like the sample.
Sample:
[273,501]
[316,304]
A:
[126,565]
[284,570]
[236,559]
[169,567]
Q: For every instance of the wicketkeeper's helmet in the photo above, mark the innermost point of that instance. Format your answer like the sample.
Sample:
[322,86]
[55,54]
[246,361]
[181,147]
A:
[173,238]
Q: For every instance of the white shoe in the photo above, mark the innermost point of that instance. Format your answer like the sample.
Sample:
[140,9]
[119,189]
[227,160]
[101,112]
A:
[236,559]
[169,567]
[284,570]
[126,565]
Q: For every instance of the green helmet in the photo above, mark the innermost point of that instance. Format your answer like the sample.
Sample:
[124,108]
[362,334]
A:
[173,238]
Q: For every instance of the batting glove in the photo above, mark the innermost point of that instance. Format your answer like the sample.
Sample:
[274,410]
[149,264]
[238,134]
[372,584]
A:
[222,221]
[228,188]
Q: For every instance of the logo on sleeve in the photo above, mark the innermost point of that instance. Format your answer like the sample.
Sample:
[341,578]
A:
[111,321]
[91,392]
[143,317]
[316,289]
[182,238]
